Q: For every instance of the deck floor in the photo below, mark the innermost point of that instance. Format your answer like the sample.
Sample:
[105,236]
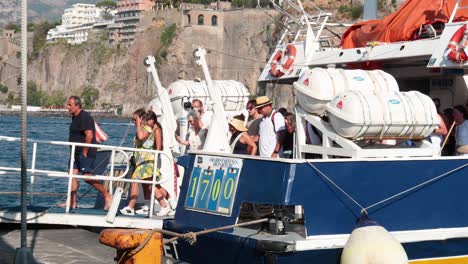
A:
[78,217]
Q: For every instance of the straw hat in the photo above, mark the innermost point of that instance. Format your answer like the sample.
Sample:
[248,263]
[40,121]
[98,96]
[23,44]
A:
[238,124]
[261,101]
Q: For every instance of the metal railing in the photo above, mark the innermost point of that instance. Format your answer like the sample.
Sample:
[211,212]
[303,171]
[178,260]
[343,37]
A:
[166,171]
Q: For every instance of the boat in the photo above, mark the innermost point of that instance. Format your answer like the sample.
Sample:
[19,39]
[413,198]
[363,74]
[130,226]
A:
[305,210]
[312,206]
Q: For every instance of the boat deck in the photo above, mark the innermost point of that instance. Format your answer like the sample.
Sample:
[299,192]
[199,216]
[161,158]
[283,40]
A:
[78,217]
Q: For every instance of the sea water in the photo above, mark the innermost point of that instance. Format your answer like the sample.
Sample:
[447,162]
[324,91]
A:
[49,190]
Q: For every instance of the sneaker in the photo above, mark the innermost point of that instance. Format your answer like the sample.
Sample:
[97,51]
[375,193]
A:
[144,210]
[171,213]
[127,211]
[164,211]
[172,203]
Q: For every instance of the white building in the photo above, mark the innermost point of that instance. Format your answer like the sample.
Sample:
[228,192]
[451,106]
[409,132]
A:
[81,14]
[77,21]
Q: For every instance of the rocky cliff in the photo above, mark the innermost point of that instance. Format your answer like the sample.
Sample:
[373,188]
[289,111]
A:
[239,46]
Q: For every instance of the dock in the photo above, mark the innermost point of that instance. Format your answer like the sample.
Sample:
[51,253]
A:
[58,245]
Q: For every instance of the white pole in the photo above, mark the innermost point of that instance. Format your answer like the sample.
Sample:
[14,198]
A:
[217,138]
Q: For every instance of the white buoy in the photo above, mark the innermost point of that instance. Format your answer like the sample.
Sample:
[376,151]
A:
[370,243]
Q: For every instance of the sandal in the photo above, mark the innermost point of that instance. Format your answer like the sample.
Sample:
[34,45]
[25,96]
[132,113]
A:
[64,205]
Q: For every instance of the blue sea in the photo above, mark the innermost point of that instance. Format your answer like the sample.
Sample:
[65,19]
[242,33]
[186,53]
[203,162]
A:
[49,157]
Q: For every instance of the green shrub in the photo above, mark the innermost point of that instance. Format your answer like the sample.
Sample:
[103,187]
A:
[39,42]
[102,53]
[55,99]
[238,3]
[89,96]
[3,89]
[35,96]
[343,9]
[356,11]
[167,37]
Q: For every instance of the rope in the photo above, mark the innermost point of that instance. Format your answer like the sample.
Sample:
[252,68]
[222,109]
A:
[191,237]
[421,185]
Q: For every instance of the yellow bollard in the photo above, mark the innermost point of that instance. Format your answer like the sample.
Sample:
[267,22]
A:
[127,239]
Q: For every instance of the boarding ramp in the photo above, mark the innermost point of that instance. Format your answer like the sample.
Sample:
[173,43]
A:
[113,170]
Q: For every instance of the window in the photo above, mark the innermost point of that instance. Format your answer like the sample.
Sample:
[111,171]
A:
[214,20]
[200,20]
[189,19]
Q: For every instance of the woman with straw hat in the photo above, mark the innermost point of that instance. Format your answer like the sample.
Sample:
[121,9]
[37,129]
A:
[241,142]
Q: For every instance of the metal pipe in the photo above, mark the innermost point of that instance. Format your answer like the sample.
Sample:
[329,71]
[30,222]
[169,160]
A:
[24,80]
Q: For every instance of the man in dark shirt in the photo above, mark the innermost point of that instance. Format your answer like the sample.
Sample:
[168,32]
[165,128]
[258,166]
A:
[82,130]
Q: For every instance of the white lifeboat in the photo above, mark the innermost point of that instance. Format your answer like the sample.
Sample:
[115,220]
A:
[317,87]
[369,114]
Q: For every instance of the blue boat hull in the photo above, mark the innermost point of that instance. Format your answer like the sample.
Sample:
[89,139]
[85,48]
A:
[415,196]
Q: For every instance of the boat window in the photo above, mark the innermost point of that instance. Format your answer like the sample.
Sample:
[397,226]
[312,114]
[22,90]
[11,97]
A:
[214,20]
[200,20]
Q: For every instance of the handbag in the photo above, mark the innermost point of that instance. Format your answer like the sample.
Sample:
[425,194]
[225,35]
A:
[101,136]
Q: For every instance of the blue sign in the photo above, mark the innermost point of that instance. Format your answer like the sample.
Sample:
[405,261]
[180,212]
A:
[213,185]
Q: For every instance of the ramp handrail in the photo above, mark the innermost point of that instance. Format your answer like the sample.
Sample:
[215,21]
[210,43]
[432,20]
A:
[61,174]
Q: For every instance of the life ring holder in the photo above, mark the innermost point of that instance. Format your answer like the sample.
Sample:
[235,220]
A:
[455,48]
[279,69]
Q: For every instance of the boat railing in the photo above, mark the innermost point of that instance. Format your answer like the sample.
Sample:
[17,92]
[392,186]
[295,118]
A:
[162,161]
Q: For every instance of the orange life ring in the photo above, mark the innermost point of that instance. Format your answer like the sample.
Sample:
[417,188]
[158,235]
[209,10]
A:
[456,51]
[278,69]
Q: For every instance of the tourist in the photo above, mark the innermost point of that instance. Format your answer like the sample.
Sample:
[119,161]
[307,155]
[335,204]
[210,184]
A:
[241,142]
[460,116]
[272,129]
[288,147]
[205,118]
[196,135]
[144,164]
[82,130]
[438,135]
[449,148]
[253,123]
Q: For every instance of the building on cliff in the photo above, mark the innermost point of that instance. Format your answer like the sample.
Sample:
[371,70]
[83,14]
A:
[77,21]
[129,13]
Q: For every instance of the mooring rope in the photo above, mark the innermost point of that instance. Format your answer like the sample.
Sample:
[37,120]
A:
[191,237]
[418,186]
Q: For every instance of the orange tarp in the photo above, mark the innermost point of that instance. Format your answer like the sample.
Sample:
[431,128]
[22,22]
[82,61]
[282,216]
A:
[401,25]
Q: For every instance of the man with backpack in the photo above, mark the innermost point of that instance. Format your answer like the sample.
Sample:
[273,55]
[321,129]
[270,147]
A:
[272,129]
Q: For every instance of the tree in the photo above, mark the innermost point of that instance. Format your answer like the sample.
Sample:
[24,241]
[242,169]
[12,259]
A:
[89,96]
[40,37]
[107,5]
[3,89]
[12,26]
[34,95]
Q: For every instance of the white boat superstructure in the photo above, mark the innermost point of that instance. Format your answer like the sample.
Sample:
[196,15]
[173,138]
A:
[314,48]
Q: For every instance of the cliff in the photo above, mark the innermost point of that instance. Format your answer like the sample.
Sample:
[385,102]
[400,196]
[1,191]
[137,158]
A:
[239,46]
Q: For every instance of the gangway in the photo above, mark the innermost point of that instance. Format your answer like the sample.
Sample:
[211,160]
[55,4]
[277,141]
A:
[114,171]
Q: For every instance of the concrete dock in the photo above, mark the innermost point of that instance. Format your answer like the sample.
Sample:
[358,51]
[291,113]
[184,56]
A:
[56,245]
